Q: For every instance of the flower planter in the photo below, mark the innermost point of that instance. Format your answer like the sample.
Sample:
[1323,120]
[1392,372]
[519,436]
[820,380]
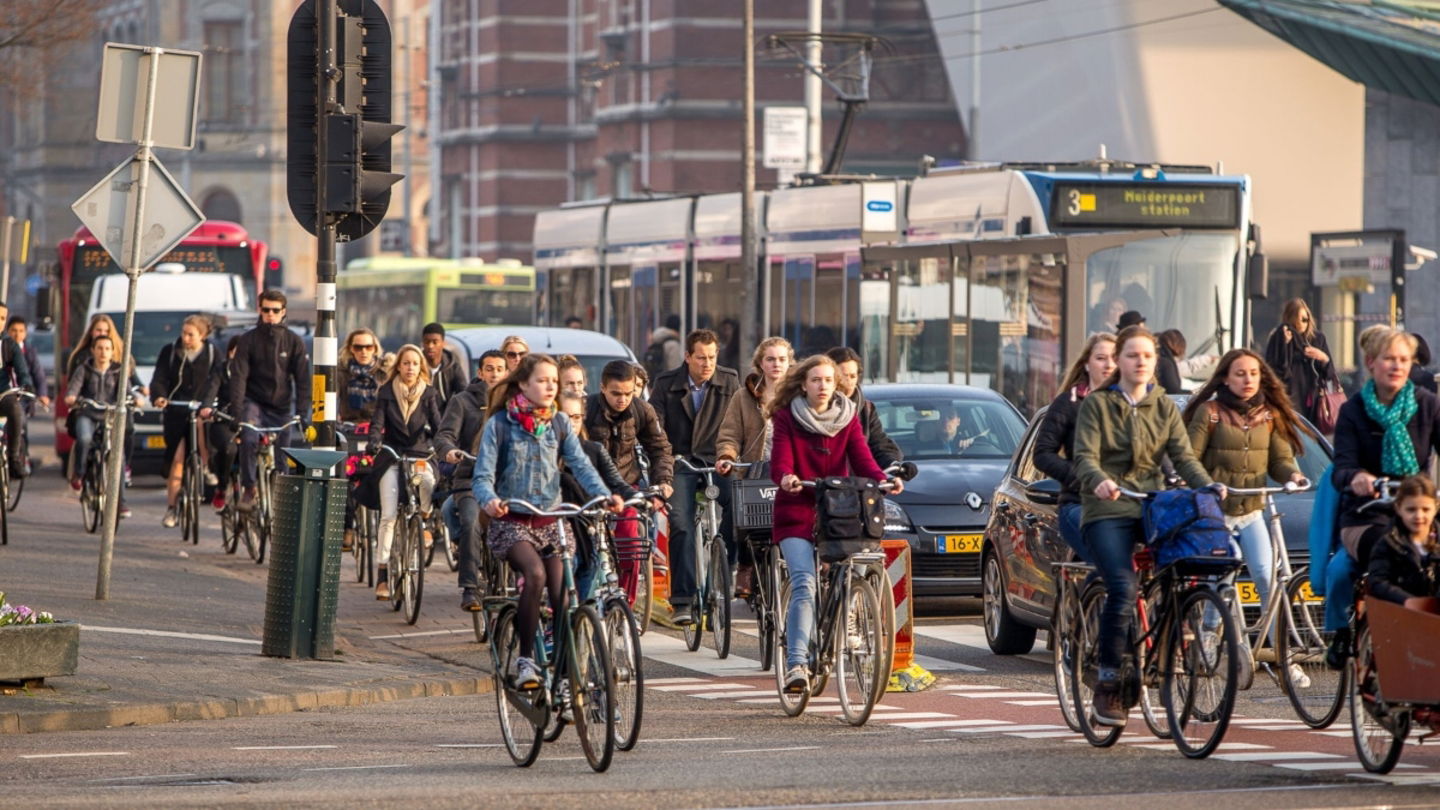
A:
[31,652]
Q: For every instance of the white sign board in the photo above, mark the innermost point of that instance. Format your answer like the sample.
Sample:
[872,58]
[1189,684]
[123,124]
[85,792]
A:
[879,211]
[108,210]
[1368,260]
[123,78]
[785,142]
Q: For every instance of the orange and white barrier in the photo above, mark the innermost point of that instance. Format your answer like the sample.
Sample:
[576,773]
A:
[905,674]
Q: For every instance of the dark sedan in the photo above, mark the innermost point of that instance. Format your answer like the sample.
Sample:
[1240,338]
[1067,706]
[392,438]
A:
[961,438]
[1022,544]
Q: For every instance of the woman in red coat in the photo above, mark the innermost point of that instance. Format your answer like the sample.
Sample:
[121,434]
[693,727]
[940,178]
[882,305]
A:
[816,435]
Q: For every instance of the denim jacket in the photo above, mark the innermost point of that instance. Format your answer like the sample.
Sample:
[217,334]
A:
[530,470]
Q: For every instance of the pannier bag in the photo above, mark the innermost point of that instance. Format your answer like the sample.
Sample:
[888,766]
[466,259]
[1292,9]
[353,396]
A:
[849,517]
[1185,524]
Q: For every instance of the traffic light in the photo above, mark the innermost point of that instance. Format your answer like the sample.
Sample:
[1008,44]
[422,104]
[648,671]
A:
[355,166]
[274,273]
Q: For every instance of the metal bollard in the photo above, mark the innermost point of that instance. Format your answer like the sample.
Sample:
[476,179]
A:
[304,586]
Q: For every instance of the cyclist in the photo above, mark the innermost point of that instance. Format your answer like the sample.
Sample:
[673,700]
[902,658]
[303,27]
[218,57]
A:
[185,370]
[572,375]
[519,456]
[1055,440]
[745,432]
[847,382]
[1122,433]
[18,330]
[572,407]
[407,413]
[459,434]
[16,369]
[493,367]
[514,348]
[1405,565]
[690,401]
[816,435]
[1388,428]
[221,432]
[446,372]
[97,380]
[358,379]
[269,379]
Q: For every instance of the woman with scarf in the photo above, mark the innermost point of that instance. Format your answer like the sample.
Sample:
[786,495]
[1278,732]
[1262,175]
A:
[1387,430]
[407,414]
[815,435]
[360,375]
[188,369]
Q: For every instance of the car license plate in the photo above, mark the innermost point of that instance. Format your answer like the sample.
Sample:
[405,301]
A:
[155,442]
[1250,595]
[960,544]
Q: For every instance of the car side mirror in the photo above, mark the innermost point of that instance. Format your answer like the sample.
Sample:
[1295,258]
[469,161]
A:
[1046,492]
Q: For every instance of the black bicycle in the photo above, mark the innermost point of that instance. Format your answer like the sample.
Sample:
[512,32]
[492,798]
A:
[92,483]
[192,475]
[10,488]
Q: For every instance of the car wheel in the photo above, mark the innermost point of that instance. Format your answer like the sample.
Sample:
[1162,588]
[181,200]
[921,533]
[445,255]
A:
[1003,632]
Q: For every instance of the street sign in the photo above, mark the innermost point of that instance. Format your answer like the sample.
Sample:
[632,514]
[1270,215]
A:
[15,240]
[123,77]
[108,210]
[785,144]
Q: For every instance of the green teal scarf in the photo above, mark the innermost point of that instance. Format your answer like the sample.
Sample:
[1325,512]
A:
[1397,452]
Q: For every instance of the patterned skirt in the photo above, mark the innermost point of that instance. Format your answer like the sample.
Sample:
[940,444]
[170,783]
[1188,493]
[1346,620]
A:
[504,534]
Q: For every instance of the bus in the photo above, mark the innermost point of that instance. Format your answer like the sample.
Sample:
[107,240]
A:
[397,296]
[986,274]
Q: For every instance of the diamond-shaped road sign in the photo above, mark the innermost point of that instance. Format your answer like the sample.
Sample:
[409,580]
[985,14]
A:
[108,210]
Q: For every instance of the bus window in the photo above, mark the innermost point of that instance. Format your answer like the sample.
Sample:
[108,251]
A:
[922,320]
[483,307]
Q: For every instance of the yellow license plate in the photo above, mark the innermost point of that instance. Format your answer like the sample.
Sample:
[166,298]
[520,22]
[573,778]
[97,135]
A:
[961,544]
[155,442]
[1250,595]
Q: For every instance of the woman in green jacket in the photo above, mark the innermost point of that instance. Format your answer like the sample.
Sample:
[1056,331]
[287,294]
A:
[1122,435]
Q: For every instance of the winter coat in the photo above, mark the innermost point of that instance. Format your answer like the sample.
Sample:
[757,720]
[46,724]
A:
[1302,376]
[1055,444]
[742,431]
[1358,444]
[1167,373]
[14,360]
[1125,443]
[621,432]
[176,378]
[271,369]
[449,379]
[1398,571]
[882,447]
[34,369]
[515,463]
[404,435]
[797,451]
[1240,452]
[88,382]
[460,427]
[692,433]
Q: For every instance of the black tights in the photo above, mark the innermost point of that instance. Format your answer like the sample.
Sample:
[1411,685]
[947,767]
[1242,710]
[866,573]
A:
[537,571]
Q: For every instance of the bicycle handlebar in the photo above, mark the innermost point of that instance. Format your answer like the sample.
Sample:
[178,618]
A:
[698,470]
[188,404]
[564,510]
[1289,488]
[885,486]
[1385,491]
[294,420]
[17,392]
[86,402]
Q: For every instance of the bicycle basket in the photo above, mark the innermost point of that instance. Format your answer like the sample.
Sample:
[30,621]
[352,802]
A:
[1182,524]
[753,500]
[849,517]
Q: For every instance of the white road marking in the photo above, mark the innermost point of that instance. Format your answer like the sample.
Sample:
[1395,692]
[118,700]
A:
[770,750]
[425,633]
[970,687]
[912,716]
[77,754]
[934,664]
[1046,702]
[658,681]
[470,745]
[949,723]
[278,747]
[1401,779]
[1267,756]
[689,739]
[719,695]
[695,687]
[1229,746]
[135,631]
[1044,735]
[356,768]
[1330,766]
[1008,728]
[1006,695]
[670,650]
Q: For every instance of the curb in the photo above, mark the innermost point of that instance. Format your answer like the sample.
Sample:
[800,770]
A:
[187,710]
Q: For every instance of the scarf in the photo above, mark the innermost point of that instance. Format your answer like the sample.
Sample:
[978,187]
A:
[829,423]
[408,396]
[1231,400]
[362,384]
[1397,452]
[190,355]
[535,419]
[1079,391]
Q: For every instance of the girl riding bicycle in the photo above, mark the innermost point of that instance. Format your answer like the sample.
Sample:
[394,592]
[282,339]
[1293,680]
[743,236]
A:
[98,380]
[815,435]
[520,450]
[1122,434]
[407,414]
[188,369]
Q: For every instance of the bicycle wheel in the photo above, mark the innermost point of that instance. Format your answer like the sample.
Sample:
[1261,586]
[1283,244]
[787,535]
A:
[1084,666]
[195,496]
[1200,681]
[885,593]
[695,630]
[1063,631]
[645,593]
[792,704]
[763,603]
[13,489]
[248,533]
[372,547]
[414,570]
[622,638]
[229,530]
[359,546]
[1149,672]
[1316,691]
[592,689]
[91,500]
[1378,730]
[4,527]
[395,568]
[721,589]
[260,525]
[516,709]
[434,541]
[860,673]
[452,548]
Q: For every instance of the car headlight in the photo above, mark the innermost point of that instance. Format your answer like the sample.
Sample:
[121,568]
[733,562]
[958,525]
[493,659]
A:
[895,518]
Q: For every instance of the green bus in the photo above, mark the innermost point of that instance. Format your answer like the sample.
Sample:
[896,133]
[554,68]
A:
[397,296]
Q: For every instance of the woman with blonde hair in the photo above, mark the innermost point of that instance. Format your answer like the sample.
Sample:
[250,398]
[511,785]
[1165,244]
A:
[514,348]
[186,370]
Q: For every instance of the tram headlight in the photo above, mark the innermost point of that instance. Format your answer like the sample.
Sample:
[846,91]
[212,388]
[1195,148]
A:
[895,518]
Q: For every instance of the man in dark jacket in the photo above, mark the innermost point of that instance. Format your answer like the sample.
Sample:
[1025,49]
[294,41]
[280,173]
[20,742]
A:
[269,380]
[459,434]
[690,401]
[18,330]
[882,447]
[16,370]
[624,424]
[447,373]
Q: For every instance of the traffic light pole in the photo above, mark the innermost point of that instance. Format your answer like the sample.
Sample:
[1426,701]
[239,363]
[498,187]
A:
[323,383]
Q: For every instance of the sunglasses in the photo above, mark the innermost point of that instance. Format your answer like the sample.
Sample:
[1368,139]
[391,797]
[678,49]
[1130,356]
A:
[362,347]
[272,310]
[515,355]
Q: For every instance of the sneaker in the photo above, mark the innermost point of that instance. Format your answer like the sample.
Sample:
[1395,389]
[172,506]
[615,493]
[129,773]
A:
[75,484]
[1107,708]
[171,519]
[382,586]
[683,616]
[1298,677]
[567,708]
[218,501]
[1339,649]
[247,500]
[469,600]
[348,543]
[527,675]
[428,538]
[211,480]
[797,680]
[124,510]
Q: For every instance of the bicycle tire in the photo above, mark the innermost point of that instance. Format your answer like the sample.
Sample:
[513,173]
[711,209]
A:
[414,571]
[4,527]
[860,672]
[1151,710]
[1083,668]
[792,704]
[522,736]
[372,547]
[592,689]
[14,488]
[1198,708]
[1319,693]
[262,538]
[645,593]
[247,529]
[622,637]
[452,547]
[394,567]
[1379,736]
[229,534]
[196,496]
[885,593]
[1062,629]
[91,502]
[429,553]
[359,545]
[719,602]
[764,607]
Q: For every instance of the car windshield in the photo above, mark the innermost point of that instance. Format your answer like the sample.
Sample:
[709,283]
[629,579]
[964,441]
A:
[939,426]
[152,331]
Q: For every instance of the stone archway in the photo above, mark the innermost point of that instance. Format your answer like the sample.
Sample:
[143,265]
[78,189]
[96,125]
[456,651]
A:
[222,204]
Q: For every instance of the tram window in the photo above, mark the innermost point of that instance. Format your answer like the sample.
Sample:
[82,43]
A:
[1015,330]
[622,317]
[669,299]
[874,317]
[718,290]
[922,320]
[572,292]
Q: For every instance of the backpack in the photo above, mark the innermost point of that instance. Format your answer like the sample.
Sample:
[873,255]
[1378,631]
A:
[654,359]
[1187,524]
[849,517]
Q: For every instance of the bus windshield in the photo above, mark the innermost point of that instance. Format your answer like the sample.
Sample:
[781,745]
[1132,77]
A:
[483,307]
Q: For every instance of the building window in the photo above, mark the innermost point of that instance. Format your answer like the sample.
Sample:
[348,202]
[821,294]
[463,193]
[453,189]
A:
[225,97]
[221,204]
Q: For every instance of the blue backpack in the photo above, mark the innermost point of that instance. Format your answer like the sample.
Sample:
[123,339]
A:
[1187,523]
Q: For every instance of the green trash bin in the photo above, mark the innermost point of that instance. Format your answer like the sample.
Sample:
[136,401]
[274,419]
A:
[304,584]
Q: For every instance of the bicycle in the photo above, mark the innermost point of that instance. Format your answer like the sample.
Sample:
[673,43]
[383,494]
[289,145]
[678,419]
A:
[710,606]
[367,522]
[848,641]
[192,476]
[578,673]
[10,489]
[405,570]
[256,524]
[1175,645]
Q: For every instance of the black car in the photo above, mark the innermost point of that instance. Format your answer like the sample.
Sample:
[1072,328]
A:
[961,438]
[1022,544]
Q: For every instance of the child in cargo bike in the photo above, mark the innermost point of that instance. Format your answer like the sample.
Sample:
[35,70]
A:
[1405,563]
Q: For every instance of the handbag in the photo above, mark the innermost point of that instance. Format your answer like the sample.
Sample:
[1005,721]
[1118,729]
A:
[849,517]
[1326,404]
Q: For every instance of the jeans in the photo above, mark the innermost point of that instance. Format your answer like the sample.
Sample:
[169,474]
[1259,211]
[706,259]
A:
[1112,542]
[799,555]
[1069,515]
[1255,549]
[257,414]
[390,504]
[1340,576]
[85,427]
[14,414]
[462,517]
[683,546]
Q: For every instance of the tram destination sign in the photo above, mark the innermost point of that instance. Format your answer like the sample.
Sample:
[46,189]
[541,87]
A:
[1145,205]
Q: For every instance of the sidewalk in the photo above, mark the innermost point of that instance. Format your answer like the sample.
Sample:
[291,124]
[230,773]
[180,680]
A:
[179,638]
